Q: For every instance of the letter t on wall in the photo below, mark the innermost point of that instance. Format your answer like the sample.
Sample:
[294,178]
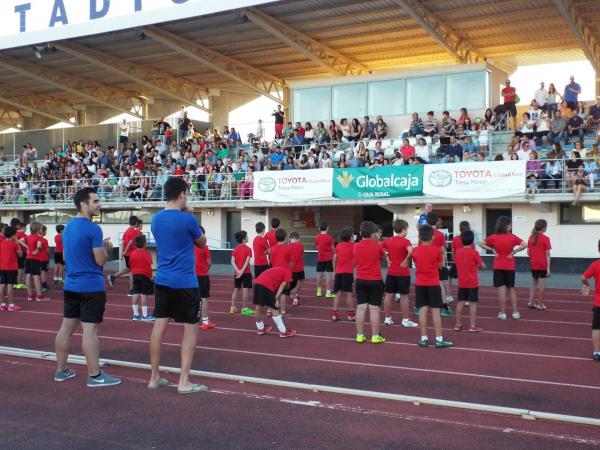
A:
[22,10]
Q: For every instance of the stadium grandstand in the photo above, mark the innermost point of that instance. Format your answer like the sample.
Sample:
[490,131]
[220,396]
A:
[373,110]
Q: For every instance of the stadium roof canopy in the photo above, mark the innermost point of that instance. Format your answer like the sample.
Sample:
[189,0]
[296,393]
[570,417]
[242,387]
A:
[261,49]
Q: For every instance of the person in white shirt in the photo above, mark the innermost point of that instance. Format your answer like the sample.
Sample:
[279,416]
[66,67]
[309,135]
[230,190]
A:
[260,131]
[422,149]
[540,96]
[124,132]
[524,152]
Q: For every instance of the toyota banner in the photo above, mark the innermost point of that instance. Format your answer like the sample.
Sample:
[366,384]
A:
[293,185]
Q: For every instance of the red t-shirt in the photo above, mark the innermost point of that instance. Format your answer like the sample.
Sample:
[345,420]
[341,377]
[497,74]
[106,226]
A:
[130,235]
[344,262]
[260,245]
[367,257]
[592,272]
[44,251]
[397,248]
[201,257]
[467,261]
[58,244]
[427,260]
[509,94]
[240,253]
[272,278]
[2,239]
[503,245]
[21,235]
[140,262]
[456,243]
[296,256]
[270,237]
[32,243]
[537,252]
[280,256]
[178,172]
[439,240]
[9,258]
[324,243]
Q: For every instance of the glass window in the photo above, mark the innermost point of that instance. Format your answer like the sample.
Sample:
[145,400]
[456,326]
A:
[579,215]
[424,94]
[312,104]
[387,98]
[49,217]
[349,100]
[466,90]
[122,217]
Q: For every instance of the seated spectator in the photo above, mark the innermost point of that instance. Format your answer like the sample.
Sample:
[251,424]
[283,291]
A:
[422,149]
[303,163]
[288,130]
[368,129]
[309,133]
[464,116]
[325,162]
[579,183]
[333,131]
[378,150]
[356,130]
[558,126]
[346,130]
[484,137]
[289,163]
[526,126]
[593,118]
[353,161]
[524,151]
[277,156]
[580,149]
[381,128]
[468,145]
[407,150]
[342,163]
[247,188]
[431,126]
[489,118]
[297,141]
[446,120]
[575,127]
[565,110]
[467,156]
[553,171]
[480,157]
[321,134]
[298,127]
[590,167]
[452,128]
[416,125]
[454,151]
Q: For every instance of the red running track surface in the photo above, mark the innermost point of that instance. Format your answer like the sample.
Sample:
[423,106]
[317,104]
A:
[541,362]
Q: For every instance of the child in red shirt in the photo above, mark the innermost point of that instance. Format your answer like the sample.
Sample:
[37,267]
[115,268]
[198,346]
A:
[140,262]
[368,254]
[538,250]
[428,293]
[128,246]
[455,245]
[594,272]
[343,262]
[505,246]
[203,261]
[44,259]
[260,247]
[439,241]
[33,263]
[297,260]
[270,236]
[324,243]
[467,261]
[398,249]
[10,252]
[59,260]
[19,226]
[268,288]
[280,257]
[242,278]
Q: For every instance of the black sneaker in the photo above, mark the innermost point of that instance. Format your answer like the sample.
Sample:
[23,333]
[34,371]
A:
[443,343]
[130,293]
[597,357]
[423,343]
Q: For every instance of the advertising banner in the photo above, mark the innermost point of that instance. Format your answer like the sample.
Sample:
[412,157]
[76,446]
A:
[476,180]
[293,185]
[381,182]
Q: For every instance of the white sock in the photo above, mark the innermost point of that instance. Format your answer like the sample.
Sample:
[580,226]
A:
[11,305]
[596,353]
[424,338]
[260,325]
[439,338]
[3,304]
[145,311]
[328,291]
[205,320]
[279,322]
[136,310]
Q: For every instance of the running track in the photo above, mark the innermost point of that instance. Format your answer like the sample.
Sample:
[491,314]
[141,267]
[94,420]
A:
[541,362]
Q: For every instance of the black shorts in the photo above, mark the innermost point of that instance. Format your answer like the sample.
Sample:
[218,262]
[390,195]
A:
[511,108]
[443,274]
[44,266]
[127,262]
[123,139]
[244,281]
[33,267]
[85,306]
[142,285]
[204,284]
[9,276]
[395,284]
[342,282]
[325,266]
[468,295]
[264,297]
[453,272]
[428,296]
[59,258]
[288,290]
[596,318]
[573,105]
[260,269]
[537,274]
[21,262]
[504,278]
[181,305]
[369,292]
[299,275]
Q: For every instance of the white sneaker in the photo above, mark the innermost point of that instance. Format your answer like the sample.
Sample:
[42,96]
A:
[516,315]
[502,316]
[449,299]
[388,321]
[409,323]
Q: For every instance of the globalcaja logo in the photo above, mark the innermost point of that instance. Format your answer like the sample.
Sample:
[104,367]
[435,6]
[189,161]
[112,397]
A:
[267,184]
[345,179]
[440,178]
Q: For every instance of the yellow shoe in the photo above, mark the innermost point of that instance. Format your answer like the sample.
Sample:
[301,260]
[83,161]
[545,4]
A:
[232,310]
[377,339]
[360,338]
[330,295]
[319,293]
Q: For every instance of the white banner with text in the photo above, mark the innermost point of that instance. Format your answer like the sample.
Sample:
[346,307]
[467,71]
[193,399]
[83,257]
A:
[293,185]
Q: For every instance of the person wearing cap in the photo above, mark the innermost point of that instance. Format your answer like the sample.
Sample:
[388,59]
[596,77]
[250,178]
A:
[593,118]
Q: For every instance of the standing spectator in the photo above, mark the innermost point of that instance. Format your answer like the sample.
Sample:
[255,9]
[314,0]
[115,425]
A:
[163,130]
[510,95]
[123,132]
[593,118]
[260,132]
[423,216]
[557,128]
[540,96]
[575,127]
[279,116]
[552,99]
[572,90]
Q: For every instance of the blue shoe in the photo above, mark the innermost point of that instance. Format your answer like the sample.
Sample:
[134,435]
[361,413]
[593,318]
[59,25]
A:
[417,311]
[148,318]
[66,375]
[136,318]
[447,313]
[102,380]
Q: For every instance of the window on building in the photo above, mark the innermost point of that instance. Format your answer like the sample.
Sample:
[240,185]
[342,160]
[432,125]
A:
[579,215]
[425,94]
[312,104]
[122,217]
[466,90]
[48,217]
[387,98]
[349,100]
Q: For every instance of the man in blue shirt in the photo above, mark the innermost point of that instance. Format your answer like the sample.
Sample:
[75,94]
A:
[454,150]
[277,156]
[85,252]
[423,217]
[176,292]
[572,90]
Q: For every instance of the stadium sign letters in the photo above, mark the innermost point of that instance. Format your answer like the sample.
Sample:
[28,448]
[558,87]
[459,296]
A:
[293,185]
[29,22]
[382,182]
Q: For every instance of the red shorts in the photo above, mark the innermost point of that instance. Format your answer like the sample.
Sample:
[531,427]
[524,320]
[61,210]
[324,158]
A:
[278,129]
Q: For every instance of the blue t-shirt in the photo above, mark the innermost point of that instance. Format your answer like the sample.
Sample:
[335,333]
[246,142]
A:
[571,97]
[175,232]
[80,237]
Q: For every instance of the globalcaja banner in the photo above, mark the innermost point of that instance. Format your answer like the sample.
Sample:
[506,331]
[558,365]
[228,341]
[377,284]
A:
[293,185]
[476,180]
[382,182]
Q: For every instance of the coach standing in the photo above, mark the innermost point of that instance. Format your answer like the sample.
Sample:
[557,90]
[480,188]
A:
[176,292]
[85,253]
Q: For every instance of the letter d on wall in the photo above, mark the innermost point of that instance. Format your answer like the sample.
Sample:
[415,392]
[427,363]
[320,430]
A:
[94,13]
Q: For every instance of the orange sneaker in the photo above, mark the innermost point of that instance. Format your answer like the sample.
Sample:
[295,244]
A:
[289,333]
[265,330]
[232,310]
[207,325]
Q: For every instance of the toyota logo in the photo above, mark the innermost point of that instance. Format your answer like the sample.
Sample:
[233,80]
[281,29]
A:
[440,178]
[267,184]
